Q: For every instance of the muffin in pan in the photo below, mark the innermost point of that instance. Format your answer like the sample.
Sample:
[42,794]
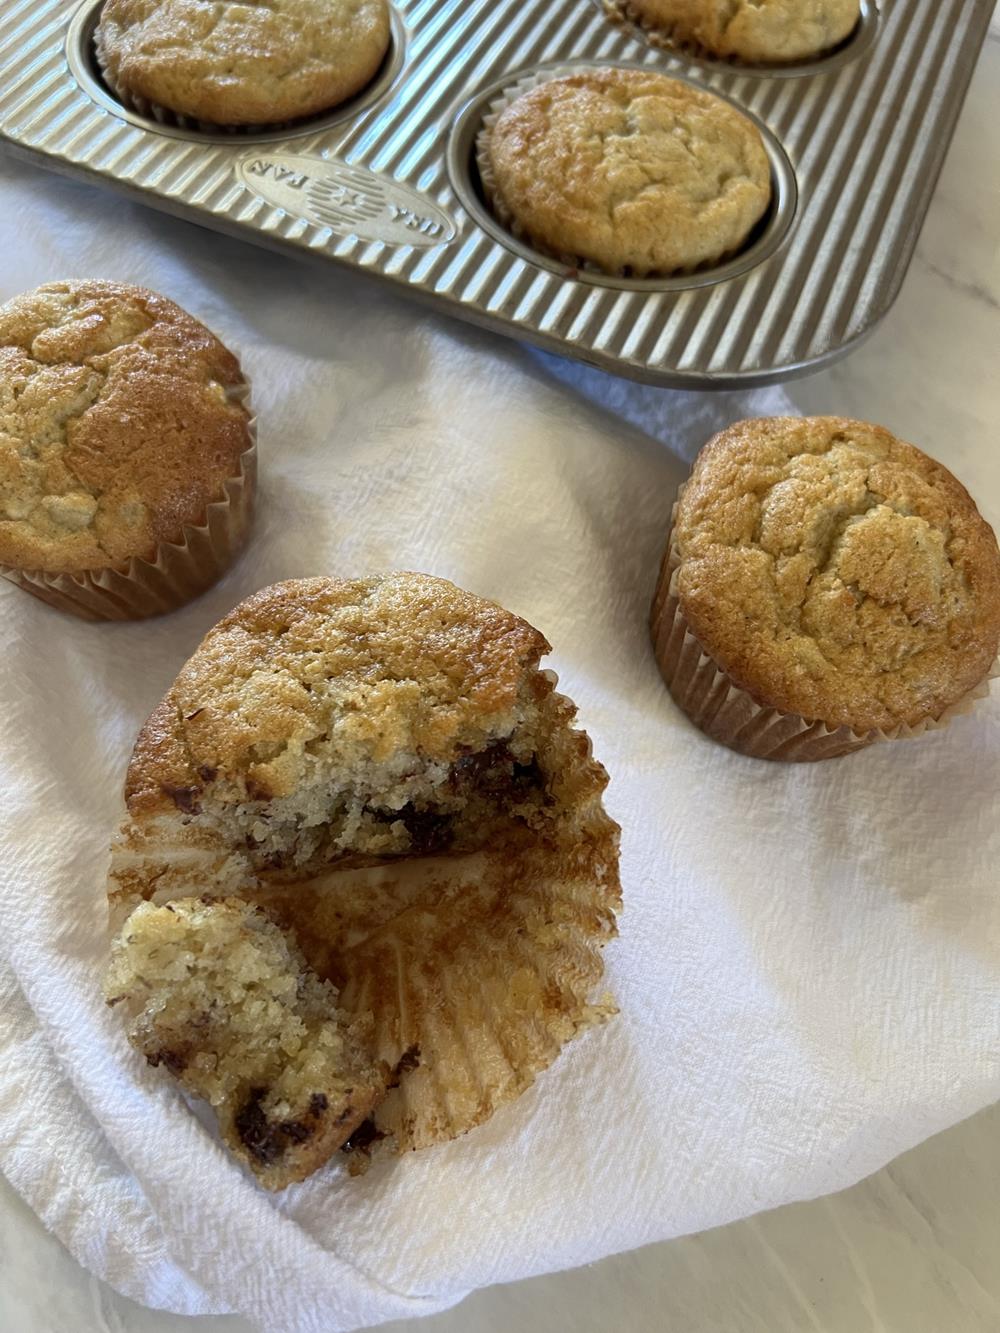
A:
[626,170]
[825,585]
[127,453]
[752,31]
[381,768]
[240,65]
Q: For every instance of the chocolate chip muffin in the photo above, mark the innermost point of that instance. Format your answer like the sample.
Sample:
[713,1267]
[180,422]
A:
[381,768]
[241,64]
[825,586]
[625,170]
[127,454]
[754,31]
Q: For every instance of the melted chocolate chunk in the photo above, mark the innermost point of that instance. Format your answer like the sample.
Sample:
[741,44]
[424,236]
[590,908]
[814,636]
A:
[207,773]
[410,1059]
[318,1103]
[429,831]
[363,1139]
[185,798]
[175,1061]
[261,1139]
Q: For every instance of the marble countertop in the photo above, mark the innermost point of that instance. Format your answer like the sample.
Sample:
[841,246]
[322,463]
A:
[914,1248]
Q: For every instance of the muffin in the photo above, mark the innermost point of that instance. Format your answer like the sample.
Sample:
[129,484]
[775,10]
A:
[127,456]
[758,32]
[242,65]
[626,170]
[825,586]
[379,767]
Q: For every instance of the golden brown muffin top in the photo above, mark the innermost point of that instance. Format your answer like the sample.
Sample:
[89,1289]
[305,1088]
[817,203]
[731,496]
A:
[836,572]
[399,664]
[117,425]
[243,64]
[757,31]
[627,169]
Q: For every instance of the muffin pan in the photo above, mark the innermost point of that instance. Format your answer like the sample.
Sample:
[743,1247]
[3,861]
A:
[387,183]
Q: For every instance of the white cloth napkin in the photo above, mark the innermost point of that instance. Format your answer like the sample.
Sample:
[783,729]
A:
[809,961]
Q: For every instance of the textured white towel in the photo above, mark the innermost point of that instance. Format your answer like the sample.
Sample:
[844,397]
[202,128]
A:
[809,961]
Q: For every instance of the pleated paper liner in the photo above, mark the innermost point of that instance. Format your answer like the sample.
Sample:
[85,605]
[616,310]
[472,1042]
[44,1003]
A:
[179,571]
[728,714]
[476,969]
[576,263]
[624,14]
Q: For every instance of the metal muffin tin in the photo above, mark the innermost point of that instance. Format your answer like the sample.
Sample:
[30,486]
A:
[387,183]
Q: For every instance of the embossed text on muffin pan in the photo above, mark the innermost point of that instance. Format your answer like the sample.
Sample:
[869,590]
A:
[385,183]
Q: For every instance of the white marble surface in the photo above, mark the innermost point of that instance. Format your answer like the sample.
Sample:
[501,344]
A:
[915,1248]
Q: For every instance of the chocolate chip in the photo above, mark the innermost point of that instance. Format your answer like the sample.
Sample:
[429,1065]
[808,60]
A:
[261,1139]
[185,798]
[318,1103]
[363,1139]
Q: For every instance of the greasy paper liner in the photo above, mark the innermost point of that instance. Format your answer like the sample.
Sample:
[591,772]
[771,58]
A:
[728,714]
[471,971]
[621,12]
[181,570]
[495,202]
[477,970]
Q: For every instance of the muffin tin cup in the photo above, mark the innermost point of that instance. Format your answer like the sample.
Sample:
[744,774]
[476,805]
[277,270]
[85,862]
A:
[180,570]
[731,716]
[765,236]
[851,48]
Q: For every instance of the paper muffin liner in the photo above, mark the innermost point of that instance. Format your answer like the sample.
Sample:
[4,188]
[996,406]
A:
[730,715]
[664,37]
[510,223]
[476,970]
[180,570]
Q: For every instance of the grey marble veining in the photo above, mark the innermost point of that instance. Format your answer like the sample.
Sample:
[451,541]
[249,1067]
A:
[915,1248]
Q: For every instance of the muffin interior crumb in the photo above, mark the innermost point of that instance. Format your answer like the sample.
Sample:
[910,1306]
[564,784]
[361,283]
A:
[217,994]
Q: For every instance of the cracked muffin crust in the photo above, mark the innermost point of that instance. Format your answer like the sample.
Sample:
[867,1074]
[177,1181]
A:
[380,767]
[626,169]
[755,31]
[243,64]
[833,572]
[121,420]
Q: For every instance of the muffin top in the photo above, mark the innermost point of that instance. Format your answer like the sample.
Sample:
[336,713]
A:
[375,681]
[627,169]
[243,64]
[757,31]
[836,572]
[117,425]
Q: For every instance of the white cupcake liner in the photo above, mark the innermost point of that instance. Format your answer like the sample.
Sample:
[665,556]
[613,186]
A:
[179,571]
[731,716]
[499,209]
